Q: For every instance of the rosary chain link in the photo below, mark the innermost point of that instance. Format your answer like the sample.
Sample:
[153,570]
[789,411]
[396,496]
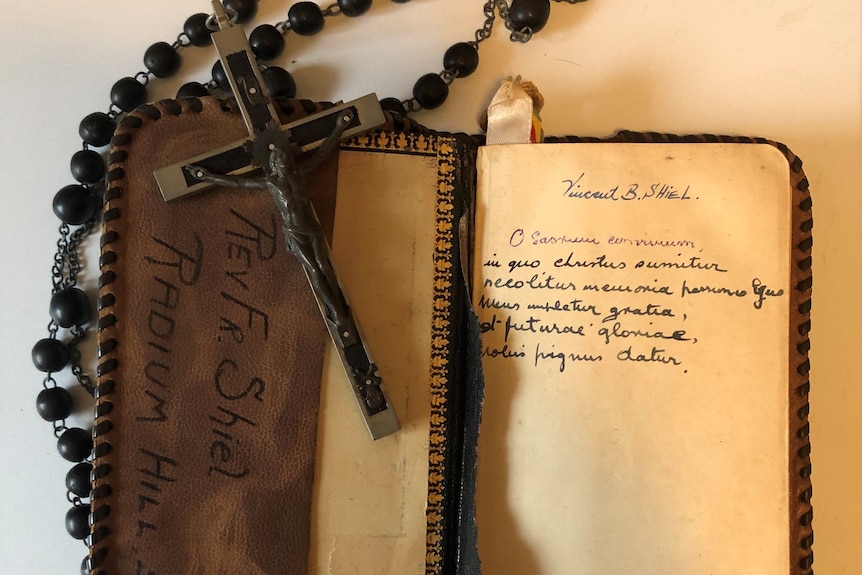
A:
[143,77]
[79,334]
[212,21]
[484,32]
[75,240]
[182,41]
[449,76]
[283,26]
[49,382]
[59,428]
[332,10]
[411,105]
[60,258]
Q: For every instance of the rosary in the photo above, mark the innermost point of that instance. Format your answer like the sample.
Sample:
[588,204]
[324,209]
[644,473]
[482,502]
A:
[253,85]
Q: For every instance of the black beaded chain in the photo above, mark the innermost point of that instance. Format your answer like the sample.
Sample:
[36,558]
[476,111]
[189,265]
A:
[77,205]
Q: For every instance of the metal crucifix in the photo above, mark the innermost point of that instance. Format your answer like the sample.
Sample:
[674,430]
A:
[267,160]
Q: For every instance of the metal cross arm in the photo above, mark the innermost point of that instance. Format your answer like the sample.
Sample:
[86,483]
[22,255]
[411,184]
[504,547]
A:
[235,159]
[268,160]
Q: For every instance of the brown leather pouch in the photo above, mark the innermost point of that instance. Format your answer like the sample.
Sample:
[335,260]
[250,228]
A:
[210,347]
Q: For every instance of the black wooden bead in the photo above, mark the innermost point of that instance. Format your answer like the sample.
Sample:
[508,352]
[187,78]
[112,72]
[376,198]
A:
[78,479]
[162,60]
[279,82]
[78,521]
[245,9]
[393,105]
[88,167]
[75,444]
[192,90]
[54,404]
[354,7]
[127,94]
[220,76]
[75,204]
[96,129]
[430,91]
[195,28]
[266,42]
[532,14]
[50,355]
[462,57]
[70,307]
[305,18]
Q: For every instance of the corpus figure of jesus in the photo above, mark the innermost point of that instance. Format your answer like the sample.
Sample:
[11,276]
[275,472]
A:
[284,177]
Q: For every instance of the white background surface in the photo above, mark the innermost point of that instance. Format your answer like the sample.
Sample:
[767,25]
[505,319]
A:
[787,70]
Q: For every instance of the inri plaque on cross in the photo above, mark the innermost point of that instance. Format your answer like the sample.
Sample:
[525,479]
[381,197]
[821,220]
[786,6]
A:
[267,160]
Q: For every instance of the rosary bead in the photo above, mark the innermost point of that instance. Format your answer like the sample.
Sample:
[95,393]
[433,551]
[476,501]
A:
[96,129]
[50,355]
[127,94]
[161,60]
[532,14]
[78,479]
[279,82]
[245,9]
[393,105]
[354,7]
[54,404]
[192,90]
[430,91]
[462,57]
[75,444]
[220,76]
[266,42]
[305,18]
[78,521]
[195,28]
[85,565]
[88,167]
[70,307]
[75,204]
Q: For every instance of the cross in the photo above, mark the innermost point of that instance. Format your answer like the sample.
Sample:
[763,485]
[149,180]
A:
[267,160]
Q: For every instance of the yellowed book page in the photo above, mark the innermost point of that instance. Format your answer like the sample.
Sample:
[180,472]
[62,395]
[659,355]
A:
[634,302]
[368,514]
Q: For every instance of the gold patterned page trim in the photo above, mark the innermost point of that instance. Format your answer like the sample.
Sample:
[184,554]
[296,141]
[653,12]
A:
[378,506]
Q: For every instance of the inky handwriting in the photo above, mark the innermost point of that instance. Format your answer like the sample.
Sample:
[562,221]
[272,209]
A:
[577,189]
[618,331]
[655,355]
[155,474]
[762,292]
[538,238]
[650,309]
[562,357]
[535,282]
[572,305]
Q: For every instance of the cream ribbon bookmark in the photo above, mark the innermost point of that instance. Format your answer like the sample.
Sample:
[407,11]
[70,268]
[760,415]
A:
[513,115]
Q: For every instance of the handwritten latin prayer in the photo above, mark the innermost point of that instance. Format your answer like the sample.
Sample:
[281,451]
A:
[633,304]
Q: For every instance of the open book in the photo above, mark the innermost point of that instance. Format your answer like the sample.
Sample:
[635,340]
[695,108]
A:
[641,319]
